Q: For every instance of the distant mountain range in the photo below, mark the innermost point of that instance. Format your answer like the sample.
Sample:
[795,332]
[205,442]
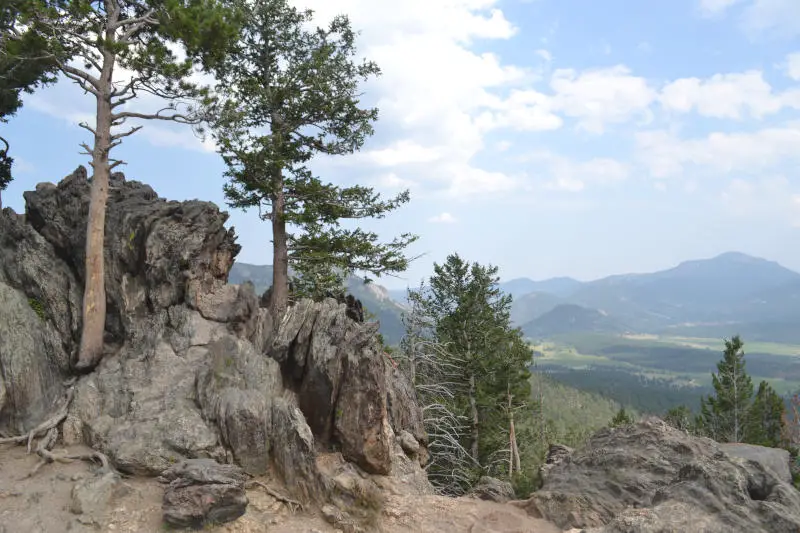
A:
[375,298]
[728,294]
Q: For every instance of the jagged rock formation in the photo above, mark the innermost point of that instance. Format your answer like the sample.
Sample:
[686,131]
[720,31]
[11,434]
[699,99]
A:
[650,477]
[191,368]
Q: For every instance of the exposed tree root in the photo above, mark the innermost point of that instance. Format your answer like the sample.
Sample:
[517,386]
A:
[47,425]
[48,431]
[294,505]
[43,450]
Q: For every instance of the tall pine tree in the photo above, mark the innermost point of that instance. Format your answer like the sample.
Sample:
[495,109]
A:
[105,36]
[292,92]
[724,416]
[486,382]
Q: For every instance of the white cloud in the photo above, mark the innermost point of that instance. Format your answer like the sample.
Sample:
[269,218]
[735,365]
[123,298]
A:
[781,17]
[443,218]
[436,95]
[723,96]
[792,66]
[715,7]
[601,96]
[560,173]
[744,153]
[393,181]
[402,152]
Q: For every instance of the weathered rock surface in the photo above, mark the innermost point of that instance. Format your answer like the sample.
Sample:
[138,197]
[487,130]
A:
[650,477]
[92,495]
[556,454]
[193,368]
[202,491]
[775,459]
[493,490]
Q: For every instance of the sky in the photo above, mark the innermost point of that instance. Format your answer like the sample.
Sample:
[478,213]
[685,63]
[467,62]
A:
[577,138]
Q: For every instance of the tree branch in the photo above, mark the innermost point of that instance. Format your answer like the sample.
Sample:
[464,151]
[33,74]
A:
[131,131]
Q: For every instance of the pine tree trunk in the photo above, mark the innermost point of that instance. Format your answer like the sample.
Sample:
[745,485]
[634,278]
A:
[473,406]
[280,257]
[94,296]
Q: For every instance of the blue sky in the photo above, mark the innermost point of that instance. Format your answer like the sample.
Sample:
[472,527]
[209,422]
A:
[548,137]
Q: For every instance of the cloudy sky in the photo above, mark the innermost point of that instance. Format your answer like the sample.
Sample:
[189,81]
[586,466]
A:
[548,137]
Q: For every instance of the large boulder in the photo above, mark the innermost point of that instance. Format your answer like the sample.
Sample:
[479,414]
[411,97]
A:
[203,492]
[650,477]
[775,459]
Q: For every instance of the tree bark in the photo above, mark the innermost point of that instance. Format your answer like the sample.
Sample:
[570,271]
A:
[94,296]
[280,256]
[473,406]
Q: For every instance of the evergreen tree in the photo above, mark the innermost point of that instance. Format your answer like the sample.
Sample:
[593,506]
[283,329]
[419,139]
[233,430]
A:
[486,361]
[291,92]
[105,35]
[679,417]
[724,415]
[622,418]
[25,64]
[765,423]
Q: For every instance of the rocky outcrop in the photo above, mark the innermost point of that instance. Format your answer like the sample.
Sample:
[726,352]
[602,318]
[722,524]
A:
[556,454]
[650,477]
[193,367]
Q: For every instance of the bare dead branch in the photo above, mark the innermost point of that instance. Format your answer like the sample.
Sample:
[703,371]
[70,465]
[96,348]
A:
[131,131]
[87,127]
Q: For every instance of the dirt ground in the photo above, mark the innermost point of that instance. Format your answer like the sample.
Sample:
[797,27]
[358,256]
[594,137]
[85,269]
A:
[41,504]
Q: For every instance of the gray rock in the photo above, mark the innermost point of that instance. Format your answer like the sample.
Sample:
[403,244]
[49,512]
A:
[235,390]
[294,453]
[30,383]
[362,424]
[201,492]
[775,459]
[92,496]
[401,395]
[556,454]
[493,490]
[408,443]
[651,477]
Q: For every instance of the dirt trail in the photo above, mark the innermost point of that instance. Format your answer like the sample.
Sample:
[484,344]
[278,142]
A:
[41,504]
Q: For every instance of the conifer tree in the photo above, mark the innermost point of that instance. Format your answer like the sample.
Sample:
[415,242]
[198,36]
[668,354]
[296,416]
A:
[291,92]
[622,418]
[486,362]
[25,64]
[765,421]
[106,36]
[724,415]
